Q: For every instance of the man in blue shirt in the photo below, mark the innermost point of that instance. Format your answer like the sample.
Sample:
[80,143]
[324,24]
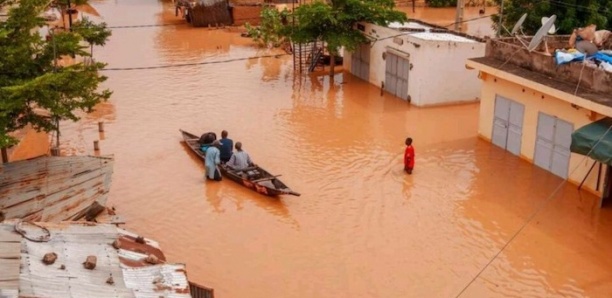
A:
[212,160]
[227,146]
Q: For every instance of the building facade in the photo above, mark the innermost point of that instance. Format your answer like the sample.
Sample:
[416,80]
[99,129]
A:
[533,108]
[418,62]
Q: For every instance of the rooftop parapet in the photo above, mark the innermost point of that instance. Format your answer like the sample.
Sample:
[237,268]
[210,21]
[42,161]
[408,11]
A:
[509,50]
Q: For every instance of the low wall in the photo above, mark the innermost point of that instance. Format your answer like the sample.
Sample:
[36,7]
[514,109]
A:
[510,50]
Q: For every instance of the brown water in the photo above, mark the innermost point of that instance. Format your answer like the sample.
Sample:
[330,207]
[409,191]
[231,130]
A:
[362,228]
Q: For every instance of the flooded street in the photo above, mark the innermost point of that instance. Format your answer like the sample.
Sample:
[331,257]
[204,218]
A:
[362,228]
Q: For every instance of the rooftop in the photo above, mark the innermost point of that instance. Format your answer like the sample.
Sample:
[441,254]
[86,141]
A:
[51,188]
[574,78]
[432,32]
[126,265]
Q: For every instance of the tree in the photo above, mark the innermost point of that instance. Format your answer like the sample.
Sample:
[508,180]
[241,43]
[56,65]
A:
[33,88]
[570,14]
[334,23]
[92,33]
[269,33]
[441,3]
[65,7]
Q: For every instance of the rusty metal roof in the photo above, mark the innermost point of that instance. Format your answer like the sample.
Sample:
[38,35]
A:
[73,242]
[53,188]
[10,247]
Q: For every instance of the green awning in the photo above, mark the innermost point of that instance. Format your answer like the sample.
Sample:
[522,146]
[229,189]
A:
[584,138]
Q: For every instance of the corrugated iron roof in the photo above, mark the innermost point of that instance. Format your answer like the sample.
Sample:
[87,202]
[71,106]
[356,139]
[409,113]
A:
[10,247]
[73,242]
[53,188]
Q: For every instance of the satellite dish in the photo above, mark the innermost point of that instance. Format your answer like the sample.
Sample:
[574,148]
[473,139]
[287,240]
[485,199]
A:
[552,30]
[537,38]
[519,24]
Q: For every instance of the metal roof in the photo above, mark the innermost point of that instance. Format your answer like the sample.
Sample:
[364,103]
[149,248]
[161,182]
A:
[426,31]
[10,247]
[53,188]
[438,36]
[408,25]
[132,276]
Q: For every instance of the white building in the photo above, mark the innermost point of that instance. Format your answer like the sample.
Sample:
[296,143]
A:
[418,62]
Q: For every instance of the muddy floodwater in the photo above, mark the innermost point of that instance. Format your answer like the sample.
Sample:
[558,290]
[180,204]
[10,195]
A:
[362,228]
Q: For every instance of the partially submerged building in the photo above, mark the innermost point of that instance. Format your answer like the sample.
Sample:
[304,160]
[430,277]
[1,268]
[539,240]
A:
[86,260]
[51,188]
[418,62]
[548,114]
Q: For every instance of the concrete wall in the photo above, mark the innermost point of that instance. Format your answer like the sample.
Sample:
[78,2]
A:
[536,102]
[589,77]
[438,74]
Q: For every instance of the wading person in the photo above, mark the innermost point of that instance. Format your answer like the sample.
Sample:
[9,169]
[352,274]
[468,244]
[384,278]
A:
[409,157]
[212,161]
[239,160]
[227,146]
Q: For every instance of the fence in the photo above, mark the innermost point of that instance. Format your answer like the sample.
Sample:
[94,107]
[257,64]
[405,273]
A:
[198,291]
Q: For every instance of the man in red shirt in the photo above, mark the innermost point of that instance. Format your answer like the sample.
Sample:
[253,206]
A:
[409,156]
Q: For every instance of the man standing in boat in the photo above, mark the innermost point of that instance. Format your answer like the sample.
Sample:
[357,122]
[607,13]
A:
[227,146]
[212,161]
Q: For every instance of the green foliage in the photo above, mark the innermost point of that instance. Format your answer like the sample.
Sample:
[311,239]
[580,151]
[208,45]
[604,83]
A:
[570,14]
[32,90]
[270,32]
[441,3]
[334,23]
[92,33]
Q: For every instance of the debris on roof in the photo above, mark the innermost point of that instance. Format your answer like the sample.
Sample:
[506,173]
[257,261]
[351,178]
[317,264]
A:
[123,266]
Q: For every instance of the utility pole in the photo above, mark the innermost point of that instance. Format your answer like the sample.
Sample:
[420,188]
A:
[69,16]
[459,16]
[55,151]
[501,16]
[4,155]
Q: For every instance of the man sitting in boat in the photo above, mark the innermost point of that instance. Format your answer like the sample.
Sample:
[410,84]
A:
[240,160]
[206,140]
[226,147]
[212,161]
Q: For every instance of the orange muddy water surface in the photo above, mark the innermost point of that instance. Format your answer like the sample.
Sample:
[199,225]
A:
[362,227]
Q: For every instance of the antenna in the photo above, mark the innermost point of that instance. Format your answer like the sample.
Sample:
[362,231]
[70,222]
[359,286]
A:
[537,38]
[519,25]
[552,30]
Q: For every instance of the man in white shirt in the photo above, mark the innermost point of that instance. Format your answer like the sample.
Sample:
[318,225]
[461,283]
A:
[240,159]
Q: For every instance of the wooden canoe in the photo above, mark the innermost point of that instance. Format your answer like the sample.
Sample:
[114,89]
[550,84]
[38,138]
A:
[255,178]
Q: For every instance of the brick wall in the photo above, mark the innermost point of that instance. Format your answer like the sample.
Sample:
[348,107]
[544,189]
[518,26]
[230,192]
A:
[246,14]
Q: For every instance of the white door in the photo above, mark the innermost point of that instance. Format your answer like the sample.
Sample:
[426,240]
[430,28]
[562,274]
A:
[360,62]
[552,151]
[508,124]
[397,69]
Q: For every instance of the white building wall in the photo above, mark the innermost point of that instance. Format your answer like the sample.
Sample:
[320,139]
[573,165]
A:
[536,102]
[438,74]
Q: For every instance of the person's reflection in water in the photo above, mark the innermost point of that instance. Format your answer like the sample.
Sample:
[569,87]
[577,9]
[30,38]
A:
[213,197]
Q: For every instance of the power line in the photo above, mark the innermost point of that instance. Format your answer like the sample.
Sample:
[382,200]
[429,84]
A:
[171,24]
[531,217]
[443,26]
[192,64]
